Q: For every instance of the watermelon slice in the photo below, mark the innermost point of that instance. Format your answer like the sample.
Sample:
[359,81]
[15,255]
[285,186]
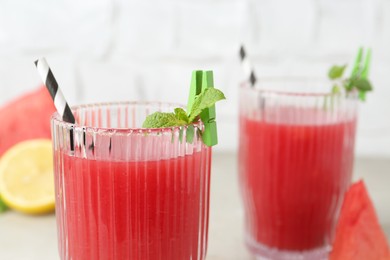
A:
[27,117]
[359,234]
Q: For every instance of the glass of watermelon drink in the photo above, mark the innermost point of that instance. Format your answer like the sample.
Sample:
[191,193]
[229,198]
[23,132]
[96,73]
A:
[295,164]
[126,192]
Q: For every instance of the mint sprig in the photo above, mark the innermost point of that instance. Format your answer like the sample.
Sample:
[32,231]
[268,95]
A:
[357,81]
[354,83]
[336,72]
[180,117]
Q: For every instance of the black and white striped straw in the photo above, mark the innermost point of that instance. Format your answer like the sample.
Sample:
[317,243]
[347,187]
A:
[247,67]
[55,92]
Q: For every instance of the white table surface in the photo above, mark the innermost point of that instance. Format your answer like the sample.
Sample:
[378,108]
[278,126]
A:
[34,238]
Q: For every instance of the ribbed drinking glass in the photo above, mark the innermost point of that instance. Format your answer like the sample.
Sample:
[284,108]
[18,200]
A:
[296,159]
[124,192]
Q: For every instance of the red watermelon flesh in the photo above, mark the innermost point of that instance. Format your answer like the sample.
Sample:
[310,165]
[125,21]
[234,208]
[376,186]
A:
[359,234]
[27,117]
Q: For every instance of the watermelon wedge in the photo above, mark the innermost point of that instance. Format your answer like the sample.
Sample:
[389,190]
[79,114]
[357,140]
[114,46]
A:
[27,117]
[358,233]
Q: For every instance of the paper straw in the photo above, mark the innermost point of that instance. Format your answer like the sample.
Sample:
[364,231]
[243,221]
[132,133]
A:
[55,92]
[247,67]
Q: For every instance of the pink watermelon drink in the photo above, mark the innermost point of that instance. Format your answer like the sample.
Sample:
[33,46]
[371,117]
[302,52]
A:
[130,193]
[296,160]
[291,169]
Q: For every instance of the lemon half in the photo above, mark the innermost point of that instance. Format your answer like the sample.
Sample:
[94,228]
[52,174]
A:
[26,177]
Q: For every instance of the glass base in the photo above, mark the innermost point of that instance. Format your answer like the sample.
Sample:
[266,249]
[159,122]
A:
[263,252]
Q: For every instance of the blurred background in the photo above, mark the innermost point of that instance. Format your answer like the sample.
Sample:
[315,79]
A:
[115,50]
[110,50]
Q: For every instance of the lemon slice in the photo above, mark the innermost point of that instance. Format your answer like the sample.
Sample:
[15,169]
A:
[26,177]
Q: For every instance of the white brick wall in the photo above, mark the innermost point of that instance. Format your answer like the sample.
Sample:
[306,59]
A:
[105,50]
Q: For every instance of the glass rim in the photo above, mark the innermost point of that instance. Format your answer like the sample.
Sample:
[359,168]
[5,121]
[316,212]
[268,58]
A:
[57,119]
[245,85]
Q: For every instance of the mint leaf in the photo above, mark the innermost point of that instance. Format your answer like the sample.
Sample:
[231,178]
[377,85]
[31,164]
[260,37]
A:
[181,114]
[336,89]
[336,72]
[3,207]
[362,84]
[160,119]
[205,100]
